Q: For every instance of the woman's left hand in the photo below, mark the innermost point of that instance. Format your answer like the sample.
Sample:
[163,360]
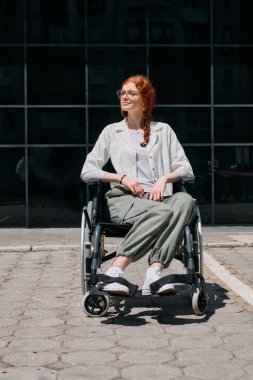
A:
[156,194]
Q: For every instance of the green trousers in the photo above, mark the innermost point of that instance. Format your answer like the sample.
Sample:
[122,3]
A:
[156,226]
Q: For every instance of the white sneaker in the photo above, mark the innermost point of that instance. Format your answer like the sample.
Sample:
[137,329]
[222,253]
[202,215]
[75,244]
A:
[113,287]
[152,275]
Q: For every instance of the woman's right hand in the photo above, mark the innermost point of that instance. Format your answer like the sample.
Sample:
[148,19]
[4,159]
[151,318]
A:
[134,186]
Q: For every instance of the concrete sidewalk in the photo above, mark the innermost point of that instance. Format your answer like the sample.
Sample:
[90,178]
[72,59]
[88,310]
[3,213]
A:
[21,239]
[44,333]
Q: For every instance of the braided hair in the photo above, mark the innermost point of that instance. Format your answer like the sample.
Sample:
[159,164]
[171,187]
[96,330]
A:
[147,93]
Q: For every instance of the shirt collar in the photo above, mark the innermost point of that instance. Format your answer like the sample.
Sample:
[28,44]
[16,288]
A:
[155,126]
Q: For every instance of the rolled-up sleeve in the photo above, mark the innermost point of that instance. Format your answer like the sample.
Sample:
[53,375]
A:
[179,161]
[93,166]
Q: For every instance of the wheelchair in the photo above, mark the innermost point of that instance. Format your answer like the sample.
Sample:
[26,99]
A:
[96,227]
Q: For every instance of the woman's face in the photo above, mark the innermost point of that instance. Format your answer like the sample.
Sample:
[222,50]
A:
[130,99]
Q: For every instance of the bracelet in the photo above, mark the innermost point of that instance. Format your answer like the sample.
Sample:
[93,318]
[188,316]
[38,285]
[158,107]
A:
[120,182]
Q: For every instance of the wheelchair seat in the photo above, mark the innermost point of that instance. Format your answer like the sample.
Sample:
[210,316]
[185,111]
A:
[96,226]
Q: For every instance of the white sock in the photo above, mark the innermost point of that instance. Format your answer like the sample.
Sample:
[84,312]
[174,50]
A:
[114,272]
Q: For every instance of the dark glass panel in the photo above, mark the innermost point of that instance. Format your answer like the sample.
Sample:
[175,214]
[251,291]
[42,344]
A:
[234,184]
[233,75]
[99,118]
[200,159]
[191,125]
[12,187]
[11,21]
[56,192]
[55,21]
[116,21]
[181,75]
[56,75]
[179,22]
[11,75]
[12,129]
[108,67]
[233,125]
[233,22]
[56,125]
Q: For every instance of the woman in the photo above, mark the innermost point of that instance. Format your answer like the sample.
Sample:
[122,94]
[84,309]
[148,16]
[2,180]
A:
[147,159]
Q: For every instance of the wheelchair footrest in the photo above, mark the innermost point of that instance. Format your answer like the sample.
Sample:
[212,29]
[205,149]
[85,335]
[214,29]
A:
[187,292]
[172,279]
[95,291]
[108,280]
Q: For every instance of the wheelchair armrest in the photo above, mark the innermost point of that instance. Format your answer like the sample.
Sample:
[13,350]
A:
[97,193]
[187,180]
[183,185]
[95,197]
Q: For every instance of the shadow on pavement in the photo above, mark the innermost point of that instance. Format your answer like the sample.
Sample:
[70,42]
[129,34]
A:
[169,309]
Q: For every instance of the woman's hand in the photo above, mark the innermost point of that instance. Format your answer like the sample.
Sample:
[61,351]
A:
[156,194]
[134,186]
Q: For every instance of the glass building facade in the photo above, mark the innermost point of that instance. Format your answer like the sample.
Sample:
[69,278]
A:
[61,63]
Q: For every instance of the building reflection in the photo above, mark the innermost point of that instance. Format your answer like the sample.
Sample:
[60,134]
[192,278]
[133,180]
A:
[55,22]
[60,70]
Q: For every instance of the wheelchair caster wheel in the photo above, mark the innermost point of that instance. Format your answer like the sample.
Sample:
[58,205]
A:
[95,305]
[199,302]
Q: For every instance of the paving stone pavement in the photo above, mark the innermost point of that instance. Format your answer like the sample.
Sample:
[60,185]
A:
[45,334]
[240,263]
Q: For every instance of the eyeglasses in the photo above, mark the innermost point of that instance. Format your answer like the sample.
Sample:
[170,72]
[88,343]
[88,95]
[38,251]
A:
[130,94]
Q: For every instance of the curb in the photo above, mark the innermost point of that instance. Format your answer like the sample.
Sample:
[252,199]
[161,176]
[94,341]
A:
[39,248]
[76,247]
[227,245]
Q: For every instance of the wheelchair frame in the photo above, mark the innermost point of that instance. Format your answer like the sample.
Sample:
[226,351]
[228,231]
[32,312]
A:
[94,229]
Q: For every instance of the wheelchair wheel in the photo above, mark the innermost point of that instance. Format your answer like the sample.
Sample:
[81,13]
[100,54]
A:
[199,241]
[95,305]
[86,249]
[199,302]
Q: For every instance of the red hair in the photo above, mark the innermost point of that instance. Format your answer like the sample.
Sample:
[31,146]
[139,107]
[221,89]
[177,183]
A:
[147,93]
